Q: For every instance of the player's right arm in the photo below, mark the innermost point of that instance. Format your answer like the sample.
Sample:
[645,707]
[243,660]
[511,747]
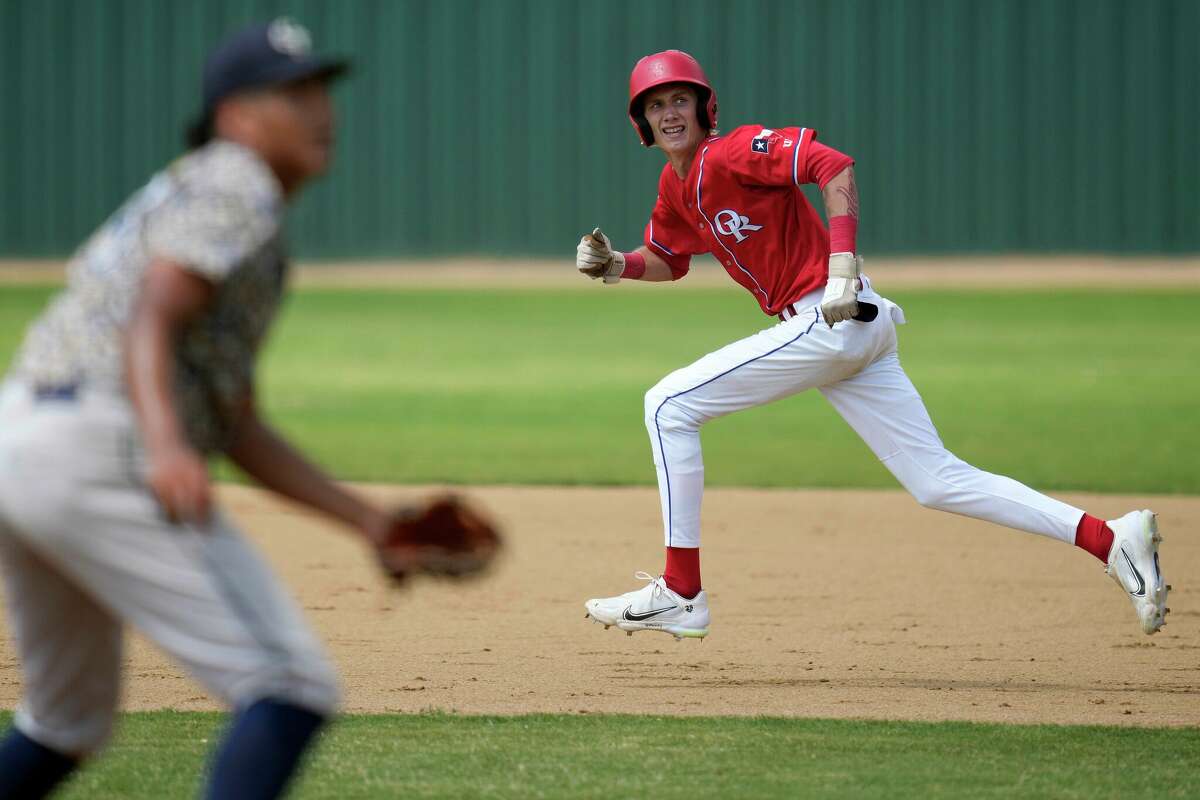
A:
[270,459]
[170,298]
[668,241]
[596,258]
[656,268]
[665,255]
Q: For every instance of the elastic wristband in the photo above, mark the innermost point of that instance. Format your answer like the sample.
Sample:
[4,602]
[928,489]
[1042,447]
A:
[635,266]
[843,231]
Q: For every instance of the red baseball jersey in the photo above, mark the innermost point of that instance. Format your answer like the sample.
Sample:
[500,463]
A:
[741,201]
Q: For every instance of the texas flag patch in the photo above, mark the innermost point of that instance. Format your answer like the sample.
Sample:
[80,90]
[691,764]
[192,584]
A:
[762,142]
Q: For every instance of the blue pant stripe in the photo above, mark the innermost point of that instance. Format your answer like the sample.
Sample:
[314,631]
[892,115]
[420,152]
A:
[657,427]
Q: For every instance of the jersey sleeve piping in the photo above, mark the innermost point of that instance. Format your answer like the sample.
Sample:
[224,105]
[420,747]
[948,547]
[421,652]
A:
[796,157]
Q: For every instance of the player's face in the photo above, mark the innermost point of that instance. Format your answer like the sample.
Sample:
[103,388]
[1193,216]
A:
[294,129]
[671,112]
[305,119]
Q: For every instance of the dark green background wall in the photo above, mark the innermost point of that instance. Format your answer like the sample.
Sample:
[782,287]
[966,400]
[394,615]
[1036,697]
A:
[499,127]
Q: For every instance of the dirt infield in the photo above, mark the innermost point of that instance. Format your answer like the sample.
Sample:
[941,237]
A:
[829,604]
[969,272]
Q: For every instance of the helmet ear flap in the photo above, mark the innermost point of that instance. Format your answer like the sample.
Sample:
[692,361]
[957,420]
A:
[706,108]
[643,126]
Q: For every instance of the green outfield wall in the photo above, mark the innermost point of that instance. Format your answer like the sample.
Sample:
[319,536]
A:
[499,127]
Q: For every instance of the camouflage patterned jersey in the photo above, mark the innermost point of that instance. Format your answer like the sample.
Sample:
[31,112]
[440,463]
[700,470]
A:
[217,212]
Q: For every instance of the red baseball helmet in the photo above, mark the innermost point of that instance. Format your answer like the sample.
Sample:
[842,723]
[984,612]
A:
[669,66]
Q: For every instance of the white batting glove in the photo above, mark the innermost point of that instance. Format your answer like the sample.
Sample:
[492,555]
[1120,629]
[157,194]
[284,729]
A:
[595,257]
[840,301]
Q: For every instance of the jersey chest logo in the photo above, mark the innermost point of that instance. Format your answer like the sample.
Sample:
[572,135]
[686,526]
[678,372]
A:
[731,223]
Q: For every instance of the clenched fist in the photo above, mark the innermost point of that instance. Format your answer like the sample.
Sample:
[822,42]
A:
[595,257]
[840,301]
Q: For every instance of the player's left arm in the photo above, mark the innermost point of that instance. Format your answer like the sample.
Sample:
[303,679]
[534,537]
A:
[793,157]
[266,456]
[841,200]
[840,301]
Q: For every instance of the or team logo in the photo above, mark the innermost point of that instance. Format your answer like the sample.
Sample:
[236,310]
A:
[762,142]
[1141,587]
[289,37]
[654,612]
[731,223]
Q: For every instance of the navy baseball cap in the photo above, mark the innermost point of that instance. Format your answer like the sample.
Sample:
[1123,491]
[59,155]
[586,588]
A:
[264,54]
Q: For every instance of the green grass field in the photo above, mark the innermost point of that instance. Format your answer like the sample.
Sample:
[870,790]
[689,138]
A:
[546,387]
[162,754]
[519,387]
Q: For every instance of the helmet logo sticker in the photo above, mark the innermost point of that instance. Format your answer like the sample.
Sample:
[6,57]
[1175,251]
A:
[731,223]
[289,37]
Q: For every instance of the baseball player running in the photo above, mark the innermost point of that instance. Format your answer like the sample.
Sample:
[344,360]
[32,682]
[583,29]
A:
[138,371]
[737,196]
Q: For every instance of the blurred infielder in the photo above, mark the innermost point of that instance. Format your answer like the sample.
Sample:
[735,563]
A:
[737,196]
[135,374]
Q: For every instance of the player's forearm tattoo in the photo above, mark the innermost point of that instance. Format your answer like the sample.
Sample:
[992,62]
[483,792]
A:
[849,193]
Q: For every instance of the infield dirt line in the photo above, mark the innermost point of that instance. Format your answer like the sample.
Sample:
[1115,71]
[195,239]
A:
[936,272]
[825,604]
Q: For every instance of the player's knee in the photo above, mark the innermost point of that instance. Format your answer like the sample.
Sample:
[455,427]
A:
[653,401]
[667,412]
[930,491]
[932,477]
[931,497]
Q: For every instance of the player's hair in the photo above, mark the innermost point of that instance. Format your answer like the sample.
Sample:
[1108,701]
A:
[200,132]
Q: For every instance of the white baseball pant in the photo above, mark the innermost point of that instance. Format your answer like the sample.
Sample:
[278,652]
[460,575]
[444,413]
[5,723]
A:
[856,368]
[85,549]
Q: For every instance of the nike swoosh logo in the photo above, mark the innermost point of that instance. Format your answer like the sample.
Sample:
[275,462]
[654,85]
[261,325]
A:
[629,615]
[1141,591]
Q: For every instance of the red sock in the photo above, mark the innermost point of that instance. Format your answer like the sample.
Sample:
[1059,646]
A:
[1095,536]
[683,571]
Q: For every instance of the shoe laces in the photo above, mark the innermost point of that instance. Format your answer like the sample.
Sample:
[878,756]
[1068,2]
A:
[660,583]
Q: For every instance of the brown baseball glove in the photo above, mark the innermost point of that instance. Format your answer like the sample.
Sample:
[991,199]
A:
[442,537]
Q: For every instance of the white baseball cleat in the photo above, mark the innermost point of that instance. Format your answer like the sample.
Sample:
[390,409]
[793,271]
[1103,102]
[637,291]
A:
[654,607]
[1133,564]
